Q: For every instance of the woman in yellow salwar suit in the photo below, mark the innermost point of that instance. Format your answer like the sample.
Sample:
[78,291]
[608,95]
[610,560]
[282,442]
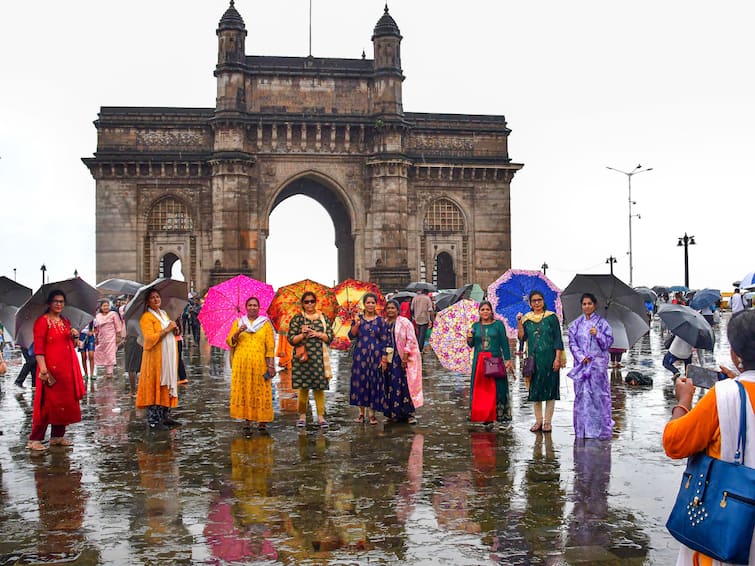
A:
[252,367]
[158,378]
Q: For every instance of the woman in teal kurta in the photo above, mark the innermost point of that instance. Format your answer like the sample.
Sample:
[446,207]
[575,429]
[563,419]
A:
[488,335]
[542,332]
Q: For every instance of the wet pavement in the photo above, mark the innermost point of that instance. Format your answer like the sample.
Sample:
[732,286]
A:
[441,492]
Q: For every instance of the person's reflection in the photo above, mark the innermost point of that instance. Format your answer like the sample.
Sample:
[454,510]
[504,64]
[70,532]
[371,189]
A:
[409,490]
[164,532]
[243,515]
[592,474]
[61,506]
[545,499]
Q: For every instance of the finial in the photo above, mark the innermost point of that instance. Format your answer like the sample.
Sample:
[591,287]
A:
[232,4]
[364,55]
[386,7]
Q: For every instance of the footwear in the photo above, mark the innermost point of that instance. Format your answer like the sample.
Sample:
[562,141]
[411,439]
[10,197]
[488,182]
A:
[488,425]
[36,446]
[373,420]
[412,419]
[17,384]
[158,427]
[60,441]
[359,419]
[537,427]
[547,427]
[261,427]
[167,419]
[182,382]
[324,424]
[301,423]
[676,376]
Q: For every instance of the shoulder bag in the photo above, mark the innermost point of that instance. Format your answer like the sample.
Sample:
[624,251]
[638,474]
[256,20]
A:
[493,366]
[714,511]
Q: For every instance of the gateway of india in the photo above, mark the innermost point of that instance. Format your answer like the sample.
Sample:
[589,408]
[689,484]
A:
[412,196]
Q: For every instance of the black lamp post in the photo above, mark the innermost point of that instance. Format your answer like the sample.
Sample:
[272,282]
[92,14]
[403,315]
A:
[544,267]
[610,261]
[43,269]
[686,241]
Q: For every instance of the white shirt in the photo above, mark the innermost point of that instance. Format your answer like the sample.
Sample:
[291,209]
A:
[680,349]
[737,303]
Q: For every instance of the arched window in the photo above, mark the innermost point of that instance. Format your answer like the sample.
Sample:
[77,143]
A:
[169,215]
[444,216]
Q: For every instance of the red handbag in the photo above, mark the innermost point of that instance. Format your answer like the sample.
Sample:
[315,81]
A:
[494,367]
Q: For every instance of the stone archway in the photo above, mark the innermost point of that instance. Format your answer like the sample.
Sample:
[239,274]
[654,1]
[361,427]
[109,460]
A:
[339,214]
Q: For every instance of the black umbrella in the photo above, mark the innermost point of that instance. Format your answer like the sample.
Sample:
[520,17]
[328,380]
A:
[660,290]
[444,300]
[688,324]
[421,286]
[81,304]
[403,296]
[622,306]
[648,295]
[12,293]
[119,286]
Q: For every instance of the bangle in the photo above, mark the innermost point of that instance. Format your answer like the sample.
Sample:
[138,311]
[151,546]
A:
[686,410]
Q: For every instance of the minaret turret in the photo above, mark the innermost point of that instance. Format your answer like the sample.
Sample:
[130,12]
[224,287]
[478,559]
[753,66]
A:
[386,40]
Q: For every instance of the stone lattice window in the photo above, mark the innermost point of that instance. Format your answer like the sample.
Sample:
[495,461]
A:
[444,216]
[169,215]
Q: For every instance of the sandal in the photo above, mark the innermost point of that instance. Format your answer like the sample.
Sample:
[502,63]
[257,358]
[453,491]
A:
[261,427]
[301,423]
[547,427]
[359,419]
[60,441]
[324,424]
[412,420]
[36,446]
[537,427]
[373,421]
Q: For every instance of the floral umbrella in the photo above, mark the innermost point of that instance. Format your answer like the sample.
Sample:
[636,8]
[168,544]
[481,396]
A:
[449,337]
[509,295]
[287,303]
[226,302]
[349,295]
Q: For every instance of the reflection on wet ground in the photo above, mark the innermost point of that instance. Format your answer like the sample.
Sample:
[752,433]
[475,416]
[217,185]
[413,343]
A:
[442,492]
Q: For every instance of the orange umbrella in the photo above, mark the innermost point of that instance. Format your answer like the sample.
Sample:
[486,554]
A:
[287,303]
[349,294]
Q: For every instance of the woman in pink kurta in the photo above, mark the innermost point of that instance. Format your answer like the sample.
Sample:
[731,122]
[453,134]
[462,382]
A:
[404,372]
[108,333]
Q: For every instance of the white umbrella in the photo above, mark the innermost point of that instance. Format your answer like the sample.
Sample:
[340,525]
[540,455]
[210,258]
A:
[8,318]
[81,304]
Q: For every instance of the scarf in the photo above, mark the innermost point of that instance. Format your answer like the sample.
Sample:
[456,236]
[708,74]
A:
[169,352]
[254,325]
[536,317]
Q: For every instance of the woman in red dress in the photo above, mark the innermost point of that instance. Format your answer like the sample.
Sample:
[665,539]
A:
[59,381]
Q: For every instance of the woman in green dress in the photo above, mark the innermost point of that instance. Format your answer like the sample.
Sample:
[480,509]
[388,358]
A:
[311,329]
[542,332]
[488,397]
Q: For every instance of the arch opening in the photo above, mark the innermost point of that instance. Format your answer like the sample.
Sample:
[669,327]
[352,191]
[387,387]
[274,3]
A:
[445,272]
[301,239]
[171,266]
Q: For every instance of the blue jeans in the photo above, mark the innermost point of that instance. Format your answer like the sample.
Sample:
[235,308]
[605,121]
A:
[670,359]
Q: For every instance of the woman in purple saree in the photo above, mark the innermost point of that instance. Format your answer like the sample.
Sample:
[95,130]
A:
[590,336]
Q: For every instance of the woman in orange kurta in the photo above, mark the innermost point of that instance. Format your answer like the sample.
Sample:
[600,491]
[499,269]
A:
[713,423]
[158,379]
[59,381]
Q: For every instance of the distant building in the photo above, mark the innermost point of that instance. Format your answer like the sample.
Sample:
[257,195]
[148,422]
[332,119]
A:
[412,195]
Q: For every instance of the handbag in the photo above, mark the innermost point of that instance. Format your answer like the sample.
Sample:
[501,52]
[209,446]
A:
[714,511]
[300,353]
[528,368]
[494,367]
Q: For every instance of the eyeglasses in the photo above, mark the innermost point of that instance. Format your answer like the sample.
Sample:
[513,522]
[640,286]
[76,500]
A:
[309,302]
[58,302]
[536,300]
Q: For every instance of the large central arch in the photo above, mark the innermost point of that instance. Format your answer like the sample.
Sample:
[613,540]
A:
[316,188]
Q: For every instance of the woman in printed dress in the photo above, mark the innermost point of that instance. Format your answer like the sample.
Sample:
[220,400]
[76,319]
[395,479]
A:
[403,381]
[311,329]
[107,332]
[59,382]
[542,332]
[590,336]
[252,367]
[369,334]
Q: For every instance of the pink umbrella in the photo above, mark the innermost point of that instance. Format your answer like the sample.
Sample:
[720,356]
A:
[226,302]
[449,336]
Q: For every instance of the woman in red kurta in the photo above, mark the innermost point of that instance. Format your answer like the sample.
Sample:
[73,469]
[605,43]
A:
[59,381]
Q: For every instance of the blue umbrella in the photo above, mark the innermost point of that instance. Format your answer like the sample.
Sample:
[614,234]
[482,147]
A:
[509,295]
[705,298]
[678,289]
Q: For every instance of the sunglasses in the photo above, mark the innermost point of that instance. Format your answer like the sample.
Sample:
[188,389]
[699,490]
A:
[309,302]
[536,301]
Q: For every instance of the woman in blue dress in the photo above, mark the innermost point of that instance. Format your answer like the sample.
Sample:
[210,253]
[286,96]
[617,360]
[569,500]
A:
[369,334]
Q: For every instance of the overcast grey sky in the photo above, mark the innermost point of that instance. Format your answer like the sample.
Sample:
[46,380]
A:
[584,85]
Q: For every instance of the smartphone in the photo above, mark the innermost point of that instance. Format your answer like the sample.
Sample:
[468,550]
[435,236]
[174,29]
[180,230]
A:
[704,377]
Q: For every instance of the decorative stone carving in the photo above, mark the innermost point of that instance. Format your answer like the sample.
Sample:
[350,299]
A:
[424,142]
[169,138]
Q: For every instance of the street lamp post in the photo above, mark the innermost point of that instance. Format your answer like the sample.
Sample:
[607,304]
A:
[686,241]
[75,272]
[14,274]
[629,174]
[544,267]
[43,269]
[610,261]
